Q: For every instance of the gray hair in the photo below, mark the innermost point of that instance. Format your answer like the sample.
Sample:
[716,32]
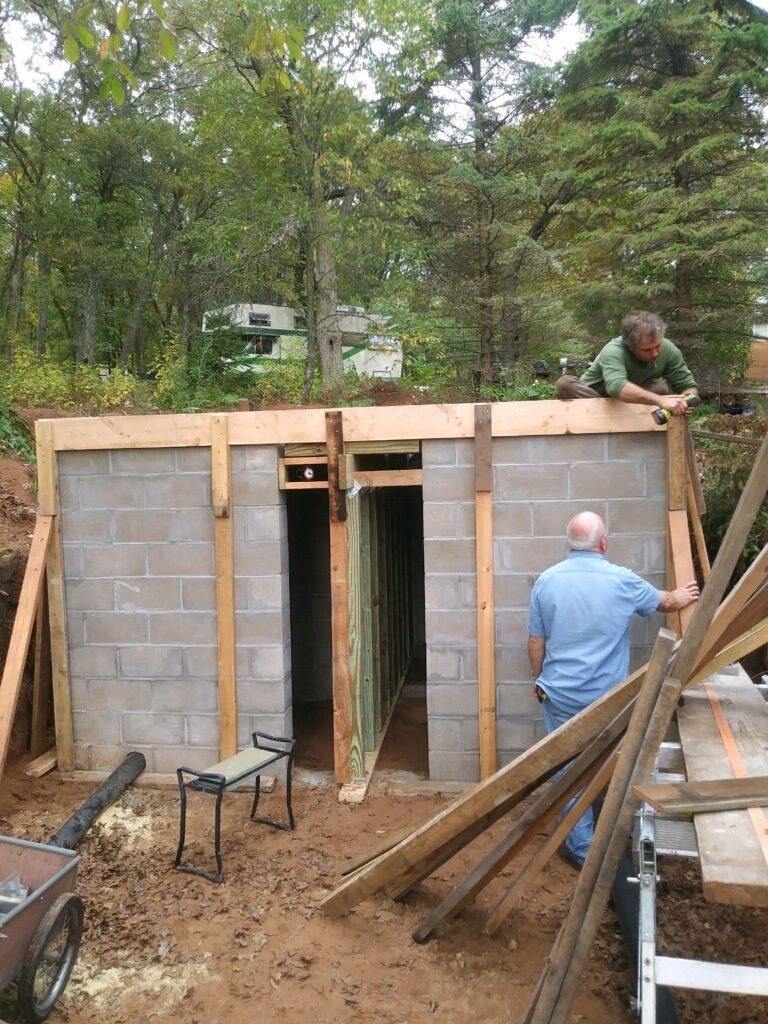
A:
[585,531]
[641,325]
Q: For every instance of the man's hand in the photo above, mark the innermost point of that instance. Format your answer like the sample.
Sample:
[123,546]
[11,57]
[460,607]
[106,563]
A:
[676,600]
[674,404]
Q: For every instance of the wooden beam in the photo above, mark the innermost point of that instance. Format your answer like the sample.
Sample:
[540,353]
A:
[486,670]
[751,581]
[356,641]
[48,504]
[221,495]
[693,474]
[21,634]
[339,567]
[388,477]
[704,797]
[753,442]
[682,562]
[376,425]
[41,765]
[41,689]
[698,533]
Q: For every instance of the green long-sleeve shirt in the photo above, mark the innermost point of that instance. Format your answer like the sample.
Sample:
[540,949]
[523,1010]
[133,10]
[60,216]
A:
[615,365]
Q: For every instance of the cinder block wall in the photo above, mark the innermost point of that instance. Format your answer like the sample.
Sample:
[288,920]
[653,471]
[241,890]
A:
[137,530]
[538,484]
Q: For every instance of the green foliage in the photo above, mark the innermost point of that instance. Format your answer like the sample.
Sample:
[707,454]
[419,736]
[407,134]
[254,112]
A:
[15,435]
[725,468]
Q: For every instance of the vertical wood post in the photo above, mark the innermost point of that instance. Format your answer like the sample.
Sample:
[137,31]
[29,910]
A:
[41,690]
[486,673]
[677,474]
[221,497]
[48,505]
[337,512]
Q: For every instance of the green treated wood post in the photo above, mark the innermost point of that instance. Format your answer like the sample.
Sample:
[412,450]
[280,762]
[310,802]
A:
[357,755]
[366,632]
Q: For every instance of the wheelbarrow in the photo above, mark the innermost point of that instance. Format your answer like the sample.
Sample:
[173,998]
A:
[40,933]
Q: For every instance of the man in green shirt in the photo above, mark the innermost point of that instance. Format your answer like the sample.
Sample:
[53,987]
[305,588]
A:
[641,366]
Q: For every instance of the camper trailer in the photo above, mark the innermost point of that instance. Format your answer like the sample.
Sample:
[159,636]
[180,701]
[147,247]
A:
[279,334]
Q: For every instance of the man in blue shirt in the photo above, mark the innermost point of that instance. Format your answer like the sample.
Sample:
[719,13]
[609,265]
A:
[578,634]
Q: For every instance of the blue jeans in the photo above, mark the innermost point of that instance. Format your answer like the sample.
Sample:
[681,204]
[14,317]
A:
[580,836]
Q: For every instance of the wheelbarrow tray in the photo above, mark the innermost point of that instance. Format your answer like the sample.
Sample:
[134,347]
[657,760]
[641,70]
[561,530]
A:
[48,872]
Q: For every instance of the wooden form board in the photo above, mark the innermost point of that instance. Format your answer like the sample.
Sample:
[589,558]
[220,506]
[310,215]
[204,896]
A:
[226,648]
[724,733]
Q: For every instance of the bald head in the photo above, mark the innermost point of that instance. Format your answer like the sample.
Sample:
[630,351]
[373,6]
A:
[586,532]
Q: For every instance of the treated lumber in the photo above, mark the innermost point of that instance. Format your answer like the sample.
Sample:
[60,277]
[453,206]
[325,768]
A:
[543,855]
[359,860]
[48,504]
[750,583]
[388,477]
[356,642]
[694,479]
[41,765]
[339,570]
[682,562]
[724,732]
[733,652]
[544,757]
[753,442]
[676,463]
[380,424]
[41,689]
[698,534]
[729,794]
[486,670]
[523,831]
[224,551]
[21,634]
[586,925]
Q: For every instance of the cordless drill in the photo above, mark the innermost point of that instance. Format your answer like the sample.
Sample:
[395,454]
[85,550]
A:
[662,416]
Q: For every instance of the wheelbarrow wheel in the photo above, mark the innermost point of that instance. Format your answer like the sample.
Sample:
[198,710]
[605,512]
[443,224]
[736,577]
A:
[50,958]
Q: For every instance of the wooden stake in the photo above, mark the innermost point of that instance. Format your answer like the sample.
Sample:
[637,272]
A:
[221,494]
[342,682]
[41,690]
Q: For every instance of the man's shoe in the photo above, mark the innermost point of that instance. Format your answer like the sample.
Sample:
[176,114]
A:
[570,859]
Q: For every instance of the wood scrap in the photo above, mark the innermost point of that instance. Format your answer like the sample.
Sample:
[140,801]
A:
[671,798]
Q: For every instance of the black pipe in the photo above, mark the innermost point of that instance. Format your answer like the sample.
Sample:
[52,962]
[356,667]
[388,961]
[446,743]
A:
[73,830]
[626,903]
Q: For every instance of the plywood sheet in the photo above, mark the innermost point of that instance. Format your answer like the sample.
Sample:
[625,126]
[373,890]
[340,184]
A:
[724,733]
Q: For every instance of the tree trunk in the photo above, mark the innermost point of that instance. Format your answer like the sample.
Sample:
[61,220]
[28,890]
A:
[514,340]
[43,300]
[321,273]
[86,335]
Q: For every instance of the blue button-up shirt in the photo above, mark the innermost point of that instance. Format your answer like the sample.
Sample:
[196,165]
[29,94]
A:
[583,607]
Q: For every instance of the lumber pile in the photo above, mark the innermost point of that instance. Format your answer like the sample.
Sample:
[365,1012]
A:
[614,742]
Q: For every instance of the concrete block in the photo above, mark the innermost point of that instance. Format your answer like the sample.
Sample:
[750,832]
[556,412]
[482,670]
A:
[444,699]
[264,522]
[467,519]
[513,590]
[263,698]
[184,695]
[470,734]
[449,556]
[512,518]
[191,490]
[193,460]
[515,733]
[449,591]
[148,594]
[75,628]
[551,518]
[150,728]
[445,733]
[92,661]
[260,457]
[264,558]
[511,662]
[517,700]
[116,628]
[90,595]
[468,655]
[255,489]
[201,662]
[168,759]
[451,627]
[142,526]
[512,624]
[78,693]
[606,480]
[443,663]
[115,560]
[636,515]
[69,493]
[103,757]
[439,453]
[566,448]
[96,727]
[533,483]
[180,559]
[262,593]
[441,519]
[448,483]
[82,463]
[531,555]
[453,767]
[508,450]
[655,479]
[641,554]
[111,492]
[199,594]
[192,524]
[86,526]
[275,725]
[149,662]
[262,627]
[269,662]
[73,561]
[637,447]
[116,695]
[143,461]
[187,628]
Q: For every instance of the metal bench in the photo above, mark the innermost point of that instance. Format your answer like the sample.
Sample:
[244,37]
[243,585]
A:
[226,775]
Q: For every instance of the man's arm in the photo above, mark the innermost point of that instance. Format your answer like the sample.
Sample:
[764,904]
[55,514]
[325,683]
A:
[672,403]
[536,647]
[671,600]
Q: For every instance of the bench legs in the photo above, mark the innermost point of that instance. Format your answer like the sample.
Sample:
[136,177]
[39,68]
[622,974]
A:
[219,793]
[288,751]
